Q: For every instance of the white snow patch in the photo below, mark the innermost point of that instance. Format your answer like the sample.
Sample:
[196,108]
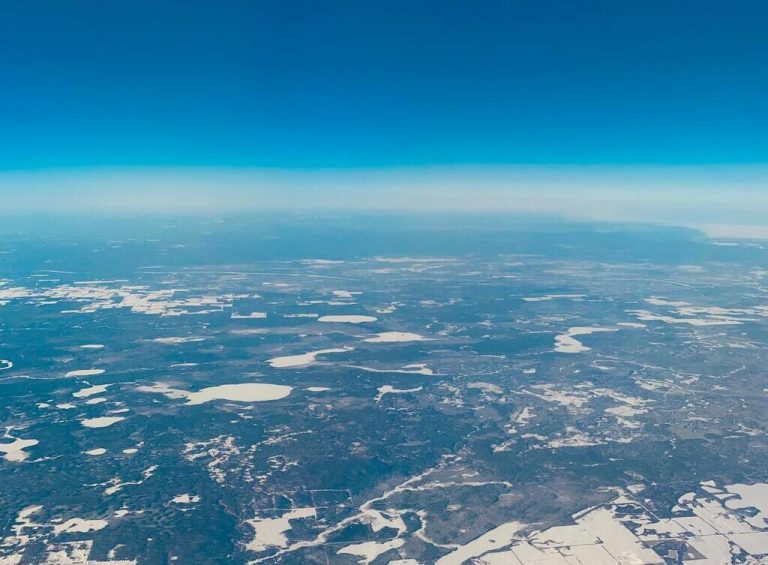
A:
[647,316]
[251,316]
[497,538]
[566,343]
[177,340]
[321,262]
[548,297]
[270,532]
[245,392]
[348,319]
[412,369]
[656,301]
[78,525]
[394,337]
[751,496]
[86,392]
[97,400]
[185,499]
[304,358]
[625,411]
[370,550]
[102,422]
[387,389]
[85,373]
[14,451]
[165,390]
[345,293]
[486,387]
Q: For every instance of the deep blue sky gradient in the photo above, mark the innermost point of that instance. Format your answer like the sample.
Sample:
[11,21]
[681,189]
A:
[344,84]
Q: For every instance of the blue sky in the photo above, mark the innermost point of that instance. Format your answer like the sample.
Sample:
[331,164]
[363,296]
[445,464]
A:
[391,85]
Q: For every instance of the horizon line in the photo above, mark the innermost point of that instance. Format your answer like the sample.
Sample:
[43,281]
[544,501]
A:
[683,195]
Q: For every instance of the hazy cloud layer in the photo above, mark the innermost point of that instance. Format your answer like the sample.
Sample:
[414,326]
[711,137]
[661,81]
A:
[702,196]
